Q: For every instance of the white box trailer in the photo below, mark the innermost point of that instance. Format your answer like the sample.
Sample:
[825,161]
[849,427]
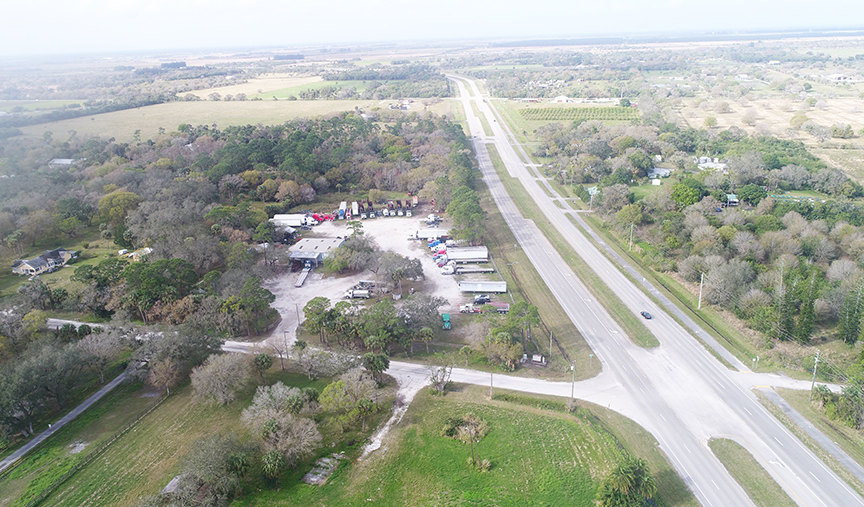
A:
[355,209]
[293,220]
[462,254]
[428,234]
[482,286]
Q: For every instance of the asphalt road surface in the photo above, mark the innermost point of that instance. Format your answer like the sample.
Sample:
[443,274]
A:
[677,391]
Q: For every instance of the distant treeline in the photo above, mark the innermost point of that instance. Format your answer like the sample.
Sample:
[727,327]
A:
[288,57]
[7,123]
[400,72]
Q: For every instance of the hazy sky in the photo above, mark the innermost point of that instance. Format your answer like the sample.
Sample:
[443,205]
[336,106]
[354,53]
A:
[76,26]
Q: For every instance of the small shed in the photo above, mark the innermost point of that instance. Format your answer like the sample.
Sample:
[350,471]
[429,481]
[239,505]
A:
[732,200]
[482,286]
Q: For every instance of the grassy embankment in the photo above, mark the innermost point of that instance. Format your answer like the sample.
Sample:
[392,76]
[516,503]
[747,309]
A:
[629,322]
[743,467]
[849,439]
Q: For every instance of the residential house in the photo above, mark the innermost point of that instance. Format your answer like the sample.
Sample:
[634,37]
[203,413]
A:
[50,261]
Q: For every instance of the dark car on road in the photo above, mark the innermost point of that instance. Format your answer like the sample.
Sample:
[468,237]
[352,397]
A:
[646,315]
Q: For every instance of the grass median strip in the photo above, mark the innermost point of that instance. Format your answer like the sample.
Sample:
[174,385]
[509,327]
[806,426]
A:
[743,467]
[629,322]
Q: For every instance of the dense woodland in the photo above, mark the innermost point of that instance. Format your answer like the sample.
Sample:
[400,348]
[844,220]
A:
[790,268]
[200,198]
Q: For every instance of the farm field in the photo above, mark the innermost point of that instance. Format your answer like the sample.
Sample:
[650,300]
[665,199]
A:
[259,85]
[580,113]
[772,115]
[539,457]
[122,125]
[526,117]
[294,90]
[35,105]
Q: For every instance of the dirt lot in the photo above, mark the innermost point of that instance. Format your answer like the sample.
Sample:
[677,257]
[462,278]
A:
[391,235]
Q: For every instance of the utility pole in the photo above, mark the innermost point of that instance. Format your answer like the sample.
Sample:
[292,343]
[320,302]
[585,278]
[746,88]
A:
[701,280]
[813,383]
[631,237]
[491,376]
[550,346]
[573,382]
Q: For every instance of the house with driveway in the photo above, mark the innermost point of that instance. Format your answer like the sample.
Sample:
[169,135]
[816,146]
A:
[48,262]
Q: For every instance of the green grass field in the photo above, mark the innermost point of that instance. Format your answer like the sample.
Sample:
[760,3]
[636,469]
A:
[743,467]
[539,457]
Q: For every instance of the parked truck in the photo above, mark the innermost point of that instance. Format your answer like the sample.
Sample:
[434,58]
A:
[399,210]
[362,212]
[370,209]
[355,210]
[414,201]
[354,294]
[474,308]
[342,209]
[392,207]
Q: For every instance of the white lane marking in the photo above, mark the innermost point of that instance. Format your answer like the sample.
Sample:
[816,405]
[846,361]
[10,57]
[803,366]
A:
[688,449]
[779,442]
[661,415]
[745,409]
[811,473]
[715,484]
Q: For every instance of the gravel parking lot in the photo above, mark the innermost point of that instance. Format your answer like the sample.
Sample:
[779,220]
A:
[391,234]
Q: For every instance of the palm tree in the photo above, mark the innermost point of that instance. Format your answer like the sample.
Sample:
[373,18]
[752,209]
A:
[629,484]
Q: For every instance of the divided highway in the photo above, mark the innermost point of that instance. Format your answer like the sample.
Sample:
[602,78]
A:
[677,391]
